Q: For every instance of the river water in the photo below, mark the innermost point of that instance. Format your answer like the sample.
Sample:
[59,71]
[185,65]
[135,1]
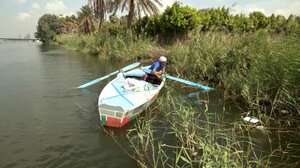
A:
[44,121]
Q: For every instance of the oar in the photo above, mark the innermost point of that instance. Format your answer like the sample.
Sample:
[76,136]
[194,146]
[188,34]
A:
[181,80]
[128,67]
[188,82]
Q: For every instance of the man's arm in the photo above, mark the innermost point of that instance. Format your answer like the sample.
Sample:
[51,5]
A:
[154,73]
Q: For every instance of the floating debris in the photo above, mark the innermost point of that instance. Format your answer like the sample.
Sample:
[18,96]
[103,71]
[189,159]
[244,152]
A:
[191,95]
[260,127]
[251,120]
[198,102]
[284,112]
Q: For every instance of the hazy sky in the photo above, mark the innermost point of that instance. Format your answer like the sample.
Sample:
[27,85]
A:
[19,17]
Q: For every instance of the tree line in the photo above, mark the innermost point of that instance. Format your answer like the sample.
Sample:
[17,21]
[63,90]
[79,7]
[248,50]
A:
[179,20]
[176,21]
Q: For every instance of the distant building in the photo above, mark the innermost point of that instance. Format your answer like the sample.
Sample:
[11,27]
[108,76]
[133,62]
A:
[60,16]
[27,36]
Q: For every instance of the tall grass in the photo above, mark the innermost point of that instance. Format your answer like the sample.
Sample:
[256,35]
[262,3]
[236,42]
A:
[184,136]
[117,47]
[258,70]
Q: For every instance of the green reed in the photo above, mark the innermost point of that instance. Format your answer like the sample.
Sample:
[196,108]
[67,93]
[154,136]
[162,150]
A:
[177,135]
[258,70]
[119,47]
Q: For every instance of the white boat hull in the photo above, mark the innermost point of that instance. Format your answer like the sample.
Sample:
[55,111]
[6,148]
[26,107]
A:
[118,106]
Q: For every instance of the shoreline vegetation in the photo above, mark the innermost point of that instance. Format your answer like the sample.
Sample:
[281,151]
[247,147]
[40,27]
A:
[256,69]
[253,60]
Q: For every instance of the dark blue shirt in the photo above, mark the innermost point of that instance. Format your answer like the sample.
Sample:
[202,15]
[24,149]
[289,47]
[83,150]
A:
[156,65]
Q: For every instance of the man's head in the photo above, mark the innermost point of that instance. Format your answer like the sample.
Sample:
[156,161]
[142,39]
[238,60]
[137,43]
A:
[163,60]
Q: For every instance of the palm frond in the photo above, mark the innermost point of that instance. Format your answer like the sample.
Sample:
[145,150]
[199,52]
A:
[154,8]
[159,3]
[139,9]
[148,7]
[143,7]
[124,4]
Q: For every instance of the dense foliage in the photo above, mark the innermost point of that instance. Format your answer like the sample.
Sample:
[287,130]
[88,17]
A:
[174,22]
[178,20]
[48,27]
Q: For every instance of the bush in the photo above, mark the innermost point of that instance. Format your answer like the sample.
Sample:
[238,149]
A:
[48,27]
[178,20]
[259,20]
[148,26]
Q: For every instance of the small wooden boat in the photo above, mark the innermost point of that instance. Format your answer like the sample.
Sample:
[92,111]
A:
[125,97]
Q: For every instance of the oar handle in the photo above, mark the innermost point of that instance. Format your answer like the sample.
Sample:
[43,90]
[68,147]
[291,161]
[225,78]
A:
[128,67]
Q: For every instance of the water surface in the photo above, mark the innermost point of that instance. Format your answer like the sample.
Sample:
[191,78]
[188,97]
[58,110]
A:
[44,121]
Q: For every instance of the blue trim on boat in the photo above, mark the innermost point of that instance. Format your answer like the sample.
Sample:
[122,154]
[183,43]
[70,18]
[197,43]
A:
[121,94]
[117,96]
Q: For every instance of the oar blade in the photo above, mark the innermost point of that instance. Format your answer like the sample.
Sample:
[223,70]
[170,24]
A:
[94,81]
[131,66]
[188,82]
[147,70]
[128,67]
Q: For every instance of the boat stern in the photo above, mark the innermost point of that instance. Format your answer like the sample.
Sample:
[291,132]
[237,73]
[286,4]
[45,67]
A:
[113,116]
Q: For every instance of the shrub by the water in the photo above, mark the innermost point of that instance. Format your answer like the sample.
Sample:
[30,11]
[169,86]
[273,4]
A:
[48,27]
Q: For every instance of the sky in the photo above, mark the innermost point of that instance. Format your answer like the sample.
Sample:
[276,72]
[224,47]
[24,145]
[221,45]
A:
[19,17]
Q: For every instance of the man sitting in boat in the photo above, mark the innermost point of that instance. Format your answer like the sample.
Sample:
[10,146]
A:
[158,67]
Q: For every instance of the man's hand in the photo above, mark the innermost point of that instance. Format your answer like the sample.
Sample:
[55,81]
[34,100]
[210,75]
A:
[158,76]
[159,73]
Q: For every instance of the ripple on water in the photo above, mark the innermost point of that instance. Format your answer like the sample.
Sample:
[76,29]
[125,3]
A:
[17,151]
[59,155]
[10,165]
[64,137]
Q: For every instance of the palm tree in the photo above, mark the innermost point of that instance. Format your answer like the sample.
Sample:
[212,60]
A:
[85,11]
[85,18]
[134,6]
[99,8]
[91,4]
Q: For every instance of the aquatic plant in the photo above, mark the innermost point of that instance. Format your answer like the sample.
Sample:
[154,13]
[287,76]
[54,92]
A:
[179,135]
[258,70]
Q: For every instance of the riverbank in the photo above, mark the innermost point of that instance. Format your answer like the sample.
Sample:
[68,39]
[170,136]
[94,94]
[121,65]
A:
[258,70]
